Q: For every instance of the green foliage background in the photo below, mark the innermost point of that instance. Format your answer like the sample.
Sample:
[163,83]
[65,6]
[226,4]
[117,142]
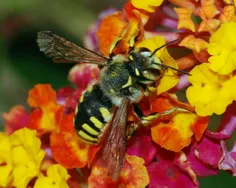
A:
[22,65]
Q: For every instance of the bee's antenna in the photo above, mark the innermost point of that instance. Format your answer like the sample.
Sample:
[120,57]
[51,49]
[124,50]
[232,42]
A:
[166,66]
[163,46]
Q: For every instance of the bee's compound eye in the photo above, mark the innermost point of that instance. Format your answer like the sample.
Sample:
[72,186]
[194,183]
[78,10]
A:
[151,74]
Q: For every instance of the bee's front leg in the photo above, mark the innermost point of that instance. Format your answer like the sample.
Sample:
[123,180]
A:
[147,120]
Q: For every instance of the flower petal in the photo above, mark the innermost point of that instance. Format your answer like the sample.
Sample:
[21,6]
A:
[68,97]
[200,126]
[228,161]
[83,74]
[197,166]
[148,5]
[183,83]
[72,100]
[209,25]
[222,48]
[185,20]
[114,25]
[141,145]
[56,177]
[41,95]
[209,151]
[63,93]
[135,172]
[166,101]
[16,119]
[208,9]
[90,38]
[27,156]
[48,113]
[163,172]
[45,121]
[5,160]
[229,14]
[193,43]
[161,104]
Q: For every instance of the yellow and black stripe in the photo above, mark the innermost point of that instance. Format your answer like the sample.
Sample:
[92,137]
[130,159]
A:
[92,114]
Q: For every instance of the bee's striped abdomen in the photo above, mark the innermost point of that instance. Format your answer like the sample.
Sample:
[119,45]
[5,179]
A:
[92,114]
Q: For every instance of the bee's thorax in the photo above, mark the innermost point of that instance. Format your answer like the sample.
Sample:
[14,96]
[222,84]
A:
[129,77]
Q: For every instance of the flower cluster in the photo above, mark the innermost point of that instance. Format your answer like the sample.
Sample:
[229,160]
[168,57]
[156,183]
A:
[23,162]
[41,148]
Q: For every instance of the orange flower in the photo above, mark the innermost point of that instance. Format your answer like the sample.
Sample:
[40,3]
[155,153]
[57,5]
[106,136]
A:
[193,43]
[176,134]
[209,25]
[185,20]
[110,29]
[47,115]
[229,14]
[121,30]
[208,9]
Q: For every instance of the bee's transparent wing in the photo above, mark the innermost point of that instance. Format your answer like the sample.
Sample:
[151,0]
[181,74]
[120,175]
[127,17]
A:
[113,153]
[62,50]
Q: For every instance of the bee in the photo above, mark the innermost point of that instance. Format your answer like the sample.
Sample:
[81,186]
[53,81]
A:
[125,80]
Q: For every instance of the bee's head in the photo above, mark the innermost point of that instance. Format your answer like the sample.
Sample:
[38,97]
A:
[146,66]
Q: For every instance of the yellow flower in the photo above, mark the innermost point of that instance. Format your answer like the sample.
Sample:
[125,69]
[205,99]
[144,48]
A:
[222,48]
[148,5]
[5,160]
[210,92]
[56,178]
[169,78]
[26,156]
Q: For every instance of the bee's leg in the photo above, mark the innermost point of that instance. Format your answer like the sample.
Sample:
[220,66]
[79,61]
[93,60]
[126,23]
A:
[147,120]
[131,129]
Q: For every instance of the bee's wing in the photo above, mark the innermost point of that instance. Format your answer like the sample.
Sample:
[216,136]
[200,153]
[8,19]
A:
[62,50]
[114,149]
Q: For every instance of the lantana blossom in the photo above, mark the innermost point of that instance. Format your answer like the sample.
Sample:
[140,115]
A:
[210,92]
[23,159]
[41,148]
[222,49]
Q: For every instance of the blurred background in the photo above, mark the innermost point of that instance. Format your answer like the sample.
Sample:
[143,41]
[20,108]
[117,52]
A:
[22,65]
